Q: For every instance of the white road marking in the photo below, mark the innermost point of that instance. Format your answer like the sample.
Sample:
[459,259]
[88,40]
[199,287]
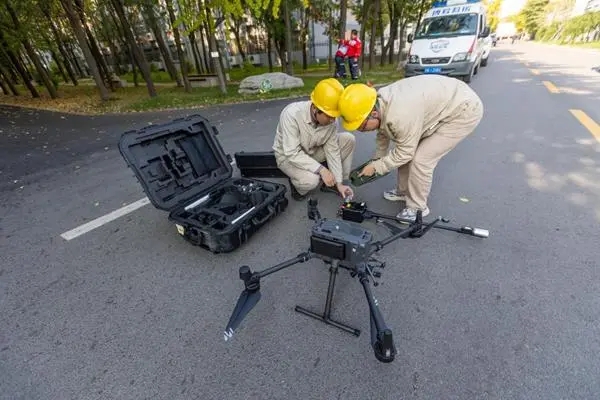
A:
[98,222]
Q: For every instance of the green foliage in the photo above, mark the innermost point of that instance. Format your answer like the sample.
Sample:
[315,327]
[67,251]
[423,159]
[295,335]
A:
[366,23]
[532,17]
[571,30]
[493,9]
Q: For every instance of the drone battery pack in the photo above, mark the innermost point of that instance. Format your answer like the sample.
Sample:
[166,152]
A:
[260,164]
[184,170]
[353,211]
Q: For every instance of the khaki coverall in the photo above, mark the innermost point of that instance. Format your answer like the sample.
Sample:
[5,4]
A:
[425,117]
[301,146]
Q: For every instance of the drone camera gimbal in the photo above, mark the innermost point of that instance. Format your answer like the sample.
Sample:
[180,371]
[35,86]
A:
[344,243]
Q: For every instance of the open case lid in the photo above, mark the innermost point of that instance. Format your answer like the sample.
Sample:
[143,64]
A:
[176,162]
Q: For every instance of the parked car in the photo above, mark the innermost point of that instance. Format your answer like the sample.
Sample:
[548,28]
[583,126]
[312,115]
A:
[487,48]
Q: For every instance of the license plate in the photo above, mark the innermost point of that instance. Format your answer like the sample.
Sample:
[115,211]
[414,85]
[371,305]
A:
[433,70]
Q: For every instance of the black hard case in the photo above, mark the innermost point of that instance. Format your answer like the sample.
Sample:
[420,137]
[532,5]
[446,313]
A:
[258,164]
[184,170]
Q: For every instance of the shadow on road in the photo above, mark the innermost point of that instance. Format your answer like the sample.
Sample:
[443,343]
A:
[556,157]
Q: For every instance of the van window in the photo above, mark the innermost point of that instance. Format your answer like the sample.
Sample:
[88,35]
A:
[448,25]
[481,23]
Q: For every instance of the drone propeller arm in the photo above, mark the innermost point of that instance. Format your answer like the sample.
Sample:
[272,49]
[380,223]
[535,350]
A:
[358,212]
[300,258]
[251,293]
[401,235]
[467,230]
[382,339]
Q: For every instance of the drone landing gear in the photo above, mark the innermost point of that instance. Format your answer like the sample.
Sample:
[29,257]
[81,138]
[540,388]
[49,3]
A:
[326,315]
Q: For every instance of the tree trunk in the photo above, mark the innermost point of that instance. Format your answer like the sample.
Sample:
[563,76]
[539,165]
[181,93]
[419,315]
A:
[137,53]
[73,58]
[3,85]
[180,55]
[363,34]
[238,39]
[44,6]
[269,49]
[305,22]
[192,39]
[94,48]
[205,64]
[402,31]
[382,40]
[80,34]
[7,78]
[59,65]
[393,32]
[214,51]
[162,46]
[373,35]
[18,66]
[343,15]
[289,67]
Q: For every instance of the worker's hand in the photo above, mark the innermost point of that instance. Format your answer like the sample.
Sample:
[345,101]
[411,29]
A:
[345,191]
[368,170]
[327,177]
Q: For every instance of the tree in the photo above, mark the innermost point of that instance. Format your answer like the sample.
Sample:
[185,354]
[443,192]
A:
[493,10]
[532,16]
[75,22]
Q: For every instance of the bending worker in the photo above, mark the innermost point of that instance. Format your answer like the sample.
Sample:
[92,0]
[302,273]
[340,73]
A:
[307,136]
[425,117]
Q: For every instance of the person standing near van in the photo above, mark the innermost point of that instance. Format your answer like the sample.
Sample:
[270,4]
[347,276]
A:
[425,117]
[307,137]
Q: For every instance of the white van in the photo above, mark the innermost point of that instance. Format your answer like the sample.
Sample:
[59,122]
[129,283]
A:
[449,40]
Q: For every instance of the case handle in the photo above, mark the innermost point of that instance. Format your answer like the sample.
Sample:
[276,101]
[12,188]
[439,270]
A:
[261,221]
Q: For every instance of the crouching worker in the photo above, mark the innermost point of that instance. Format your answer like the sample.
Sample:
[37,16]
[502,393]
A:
[307,136]
[425,117]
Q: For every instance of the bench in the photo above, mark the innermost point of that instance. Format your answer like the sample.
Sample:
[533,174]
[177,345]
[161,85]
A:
[203,80]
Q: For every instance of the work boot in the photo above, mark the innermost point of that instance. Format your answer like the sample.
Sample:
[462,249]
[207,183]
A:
[295,195]
[410,214]
[393,195]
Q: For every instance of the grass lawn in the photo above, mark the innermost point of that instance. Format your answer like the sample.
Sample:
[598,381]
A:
[588,45]
[84,99]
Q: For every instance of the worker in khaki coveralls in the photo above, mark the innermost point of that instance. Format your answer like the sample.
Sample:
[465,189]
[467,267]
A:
[307,136]
[425,117]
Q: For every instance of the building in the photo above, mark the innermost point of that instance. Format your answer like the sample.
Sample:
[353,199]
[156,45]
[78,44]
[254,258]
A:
[584,6]
[592,6]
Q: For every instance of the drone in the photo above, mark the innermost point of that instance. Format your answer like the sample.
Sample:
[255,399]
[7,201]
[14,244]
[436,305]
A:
[345,243]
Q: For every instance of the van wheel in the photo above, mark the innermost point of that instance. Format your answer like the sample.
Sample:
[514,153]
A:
[484,61]
[468,78]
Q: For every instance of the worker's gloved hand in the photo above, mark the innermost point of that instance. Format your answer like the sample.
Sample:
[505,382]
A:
[345,191]
[327,177]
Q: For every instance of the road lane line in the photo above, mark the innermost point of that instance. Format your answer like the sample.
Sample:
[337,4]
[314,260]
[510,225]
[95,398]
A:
[98,222]
[551,87]
[588,122]
[534,71]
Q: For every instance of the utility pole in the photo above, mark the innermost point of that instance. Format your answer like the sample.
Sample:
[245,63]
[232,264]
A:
[288,40]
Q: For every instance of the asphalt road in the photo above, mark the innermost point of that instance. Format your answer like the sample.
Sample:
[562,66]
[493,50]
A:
[131,311]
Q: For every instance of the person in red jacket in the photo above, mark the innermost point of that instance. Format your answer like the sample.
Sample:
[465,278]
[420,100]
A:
[354,48]
[340,60]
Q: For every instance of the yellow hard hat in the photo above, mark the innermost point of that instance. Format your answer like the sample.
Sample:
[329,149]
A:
[325,96]
[356,103]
